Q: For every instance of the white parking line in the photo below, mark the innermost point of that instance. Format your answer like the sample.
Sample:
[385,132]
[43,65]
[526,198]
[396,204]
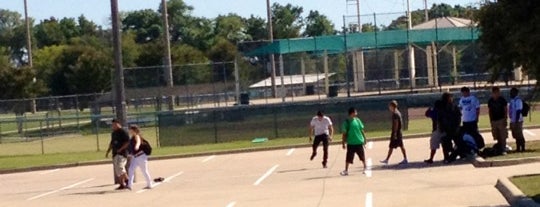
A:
[268,173]
[529,132]
[231,204]
[369,199]
[370,145]
[369,163]
[289,153]
[61,189]
[208,158]
[49,171]
[164,181]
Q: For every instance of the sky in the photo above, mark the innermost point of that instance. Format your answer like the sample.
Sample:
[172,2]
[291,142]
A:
[99,10]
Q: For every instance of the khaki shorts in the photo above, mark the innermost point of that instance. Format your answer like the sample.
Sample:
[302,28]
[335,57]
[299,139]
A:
[119,164]
[435,140]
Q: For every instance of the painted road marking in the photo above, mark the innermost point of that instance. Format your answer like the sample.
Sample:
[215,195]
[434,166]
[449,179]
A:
[369,199]
[268,173]
[369,163]
[61,189]
[529,132]
[231,204]
[289,153]
[49,171]
[370,145]
[208,158]
[164,181]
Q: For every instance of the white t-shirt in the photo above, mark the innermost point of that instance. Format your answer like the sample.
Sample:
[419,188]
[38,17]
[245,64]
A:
[469,105]
[321,126]
[516,104]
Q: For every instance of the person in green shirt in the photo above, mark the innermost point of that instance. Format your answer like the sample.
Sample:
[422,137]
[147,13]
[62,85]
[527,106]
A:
[353,140]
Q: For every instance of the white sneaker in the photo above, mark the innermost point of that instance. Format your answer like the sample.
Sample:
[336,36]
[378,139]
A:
[344,173]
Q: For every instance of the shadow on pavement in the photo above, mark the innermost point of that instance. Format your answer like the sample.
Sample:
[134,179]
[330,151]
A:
[101,192]
[419,165]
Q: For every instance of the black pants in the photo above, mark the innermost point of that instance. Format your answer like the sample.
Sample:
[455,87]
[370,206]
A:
[471,128]
[517,133]
[324,139]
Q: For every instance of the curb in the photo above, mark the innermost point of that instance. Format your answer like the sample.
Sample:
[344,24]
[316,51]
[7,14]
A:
[513,194]
[479,162]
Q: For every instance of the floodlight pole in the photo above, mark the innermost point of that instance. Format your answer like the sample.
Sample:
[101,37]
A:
[272,58]
[167,60]
[412,69]
[120,96]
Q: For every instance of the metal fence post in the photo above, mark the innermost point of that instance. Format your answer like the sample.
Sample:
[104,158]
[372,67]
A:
[41,136]
[96,125]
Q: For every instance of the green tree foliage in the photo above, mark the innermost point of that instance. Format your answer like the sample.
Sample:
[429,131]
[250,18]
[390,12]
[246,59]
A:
[145,24]
[318,24]
[287,21]
[180,19]
[256,28]
[13,36]
[436,11]
[231,27]
[511,35]
[189,69]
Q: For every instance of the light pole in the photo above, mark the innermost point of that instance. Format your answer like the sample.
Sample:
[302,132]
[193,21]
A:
[29,50]
[120,96]
[168,63]
[272,58]
[412,69]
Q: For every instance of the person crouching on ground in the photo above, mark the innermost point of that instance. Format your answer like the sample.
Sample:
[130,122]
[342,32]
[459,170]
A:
[140,159]
[321,127]
[396,138]
[353,140]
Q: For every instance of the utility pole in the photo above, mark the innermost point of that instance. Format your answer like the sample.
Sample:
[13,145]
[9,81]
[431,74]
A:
[272,58]
[426,14]
[120,96]
[29,50]
[412,69]
[167,60]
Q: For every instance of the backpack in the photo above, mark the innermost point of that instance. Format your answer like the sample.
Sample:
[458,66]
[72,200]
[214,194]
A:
[145,147]
[526,109]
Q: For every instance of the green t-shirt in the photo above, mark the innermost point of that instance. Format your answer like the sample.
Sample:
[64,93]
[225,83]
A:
[353,128]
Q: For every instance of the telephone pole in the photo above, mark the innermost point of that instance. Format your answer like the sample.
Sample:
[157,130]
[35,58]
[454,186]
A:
[120,96]
[272,58]
[167,60]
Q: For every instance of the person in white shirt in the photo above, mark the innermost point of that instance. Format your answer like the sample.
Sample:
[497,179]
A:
[470,112]
[321,127]
[516,119]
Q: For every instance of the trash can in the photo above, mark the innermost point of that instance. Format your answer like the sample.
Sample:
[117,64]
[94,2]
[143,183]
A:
[333,91]
[244,99]
[310,90]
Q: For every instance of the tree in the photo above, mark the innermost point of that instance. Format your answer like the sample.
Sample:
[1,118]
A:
[231,27]
[510,35]
[87,27]
[146,25]
[13,36]
[190,70]
[369,27]
[69,28]
[256,28]
[49,32]
[287,21]
[318,25]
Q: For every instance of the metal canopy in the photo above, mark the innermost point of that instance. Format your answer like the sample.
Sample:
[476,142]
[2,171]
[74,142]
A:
[368,40]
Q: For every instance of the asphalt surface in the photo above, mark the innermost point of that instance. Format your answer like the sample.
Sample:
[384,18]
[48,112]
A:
[273,178]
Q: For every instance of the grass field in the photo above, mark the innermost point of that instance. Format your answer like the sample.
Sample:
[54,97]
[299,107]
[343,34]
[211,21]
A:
[530,185]
[79,148]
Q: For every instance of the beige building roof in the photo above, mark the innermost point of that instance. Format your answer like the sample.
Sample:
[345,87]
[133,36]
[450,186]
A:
[445,22]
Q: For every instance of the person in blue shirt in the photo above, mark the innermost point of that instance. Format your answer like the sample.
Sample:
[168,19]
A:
[516,119]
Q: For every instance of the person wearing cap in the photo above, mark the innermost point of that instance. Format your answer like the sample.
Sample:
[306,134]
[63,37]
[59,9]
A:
[118,146]
[321,127]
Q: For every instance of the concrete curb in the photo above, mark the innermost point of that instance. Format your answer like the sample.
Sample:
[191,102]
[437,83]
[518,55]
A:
[480,163]
[513,194]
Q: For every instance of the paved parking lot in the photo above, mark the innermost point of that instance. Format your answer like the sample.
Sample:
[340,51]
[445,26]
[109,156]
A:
[273,178]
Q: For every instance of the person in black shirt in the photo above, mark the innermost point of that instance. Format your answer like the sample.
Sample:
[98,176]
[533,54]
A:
[118,145]
[396,138]
[449,120]
[498,115]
